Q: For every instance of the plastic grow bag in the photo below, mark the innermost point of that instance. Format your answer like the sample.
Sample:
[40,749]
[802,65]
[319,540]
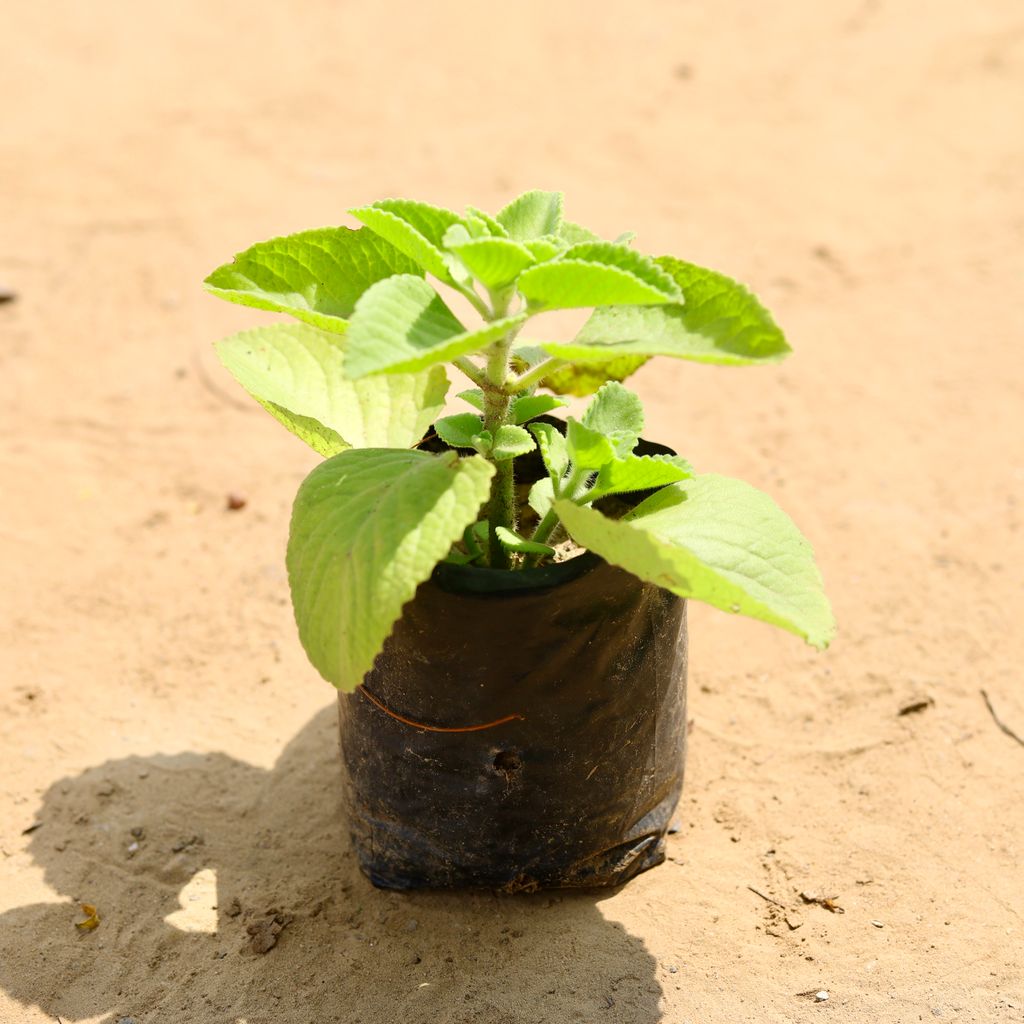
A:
[562,693]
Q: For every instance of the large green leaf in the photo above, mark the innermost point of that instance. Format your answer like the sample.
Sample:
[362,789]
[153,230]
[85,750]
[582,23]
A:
[296,373]
[402,324]
[315,276]
[597,274]
[367,529]
[417,229]
[716,540]
[532,215]
[720,322]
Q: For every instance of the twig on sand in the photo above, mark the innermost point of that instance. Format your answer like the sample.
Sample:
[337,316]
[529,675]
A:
[767,899]
[1002,725]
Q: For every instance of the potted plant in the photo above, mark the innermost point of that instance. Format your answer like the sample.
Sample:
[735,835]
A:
[499,594]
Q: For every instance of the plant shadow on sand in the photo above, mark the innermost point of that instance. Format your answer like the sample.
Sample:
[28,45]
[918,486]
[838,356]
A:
[226,853]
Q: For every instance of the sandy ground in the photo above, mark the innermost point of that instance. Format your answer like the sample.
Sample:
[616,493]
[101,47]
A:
[858,162]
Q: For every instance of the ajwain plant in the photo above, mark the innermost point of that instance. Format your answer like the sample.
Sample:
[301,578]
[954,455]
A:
[361,378]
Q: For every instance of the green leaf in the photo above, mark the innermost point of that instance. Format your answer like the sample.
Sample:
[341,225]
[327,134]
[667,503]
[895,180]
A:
[585,378]
[542,497]
[472,539]
[721,322]
[402,324]
[573,234]
[597,274]
[296,373]
[474,396]
[367,529]
[617,413]
[459,430]
[483,442]
[496,229]
[528,406]
[416,229]
[637,473]
[553,449]
[720,541]
[315,276]
[543,249]
[513,542]
[588,449]
[494,262]
[532,215]
[510,441]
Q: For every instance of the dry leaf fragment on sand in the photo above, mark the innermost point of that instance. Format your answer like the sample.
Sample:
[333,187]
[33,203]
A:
[828,902]
[92,918]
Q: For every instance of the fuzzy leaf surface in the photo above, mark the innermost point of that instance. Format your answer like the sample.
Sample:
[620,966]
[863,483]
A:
[474,397]
[494,262]
[542,496]
[367,529]
[637,473]
[510,441]
[553,449]
[402,324]
[583,379]
[598,274]
[721,322]
[617,413]
[416,229]
[720,541]
[544,249]
[296,372]
[574,234]
[494,227]
[588,449]
[528,406]
[315,276]
[532,215]
[460,429]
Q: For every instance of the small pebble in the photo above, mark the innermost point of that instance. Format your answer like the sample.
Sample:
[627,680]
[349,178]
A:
[878,924]
[412,925]
[235,502]
[139,832]
[133,848]
[820,997]
[673,970]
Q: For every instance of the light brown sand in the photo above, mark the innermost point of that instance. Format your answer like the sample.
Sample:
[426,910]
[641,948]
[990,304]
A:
[858,162]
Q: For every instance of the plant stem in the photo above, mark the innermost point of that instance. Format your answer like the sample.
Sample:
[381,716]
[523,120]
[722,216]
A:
[538,373]
[497,406]
[545,526]
[471,370]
